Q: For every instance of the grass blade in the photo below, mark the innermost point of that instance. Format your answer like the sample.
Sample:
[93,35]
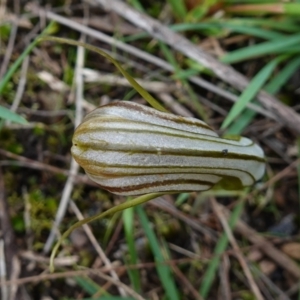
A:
[249,26]
[253,31]
[241,122]
[252,89]
[265,48]
[88,285]
[20,59]
[11,116]
[283,76]
[283,24]
[124,205]
[128,217]
[178,8]
[221,246]
[137,5]
[171,59]
[164,271]
[238,28]
[272,87]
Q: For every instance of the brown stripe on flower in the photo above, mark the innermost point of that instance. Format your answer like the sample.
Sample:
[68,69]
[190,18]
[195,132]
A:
[153,113]
[156,184]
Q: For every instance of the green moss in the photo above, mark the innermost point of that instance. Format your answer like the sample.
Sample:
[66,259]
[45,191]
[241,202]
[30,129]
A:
[155,9]
[60,178]
[8,92]
[9,182]
[246,295]
[77,192]
[5,31]
[68,70]
[86,259]
[18,223]
[52,143]
[9,141]
[42,211]
[39,130]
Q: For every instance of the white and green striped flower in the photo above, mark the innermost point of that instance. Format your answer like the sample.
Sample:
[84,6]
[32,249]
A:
[131,149]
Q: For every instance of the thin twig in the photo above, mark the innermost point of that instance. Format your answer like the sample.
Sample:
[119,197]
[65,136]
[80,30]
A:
[114,80]
[116,235]
[9,49]
[30,163]
[271,285]
[66,274]
[283,173]
[4,289]
[27,218]
[238,253]
[96,245]
[185,252]
[186,283]
[168,207]
[174,105]
[225,291]
[66,261]
[21,85]
[13,267]
[63,204]
[265,246]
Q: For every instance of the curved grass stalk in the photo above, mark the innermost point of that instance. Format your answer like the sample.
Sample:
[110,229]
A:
[152,101]
[122,206]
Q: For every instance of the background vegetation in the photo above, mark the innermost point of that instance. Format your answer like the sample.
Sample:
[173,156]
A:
[210,245]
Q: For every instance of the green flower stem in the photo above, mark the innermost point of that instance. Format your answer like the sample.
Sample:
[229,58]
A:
[131,80]
[122,206]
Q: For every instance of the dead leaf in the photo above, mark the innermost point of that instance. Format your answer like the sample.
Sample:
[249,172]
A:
[292,250]
[267,266]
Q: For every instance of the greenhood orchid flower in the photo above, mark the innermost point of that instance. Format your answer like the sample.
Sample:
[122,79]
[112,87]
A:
[132,149]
